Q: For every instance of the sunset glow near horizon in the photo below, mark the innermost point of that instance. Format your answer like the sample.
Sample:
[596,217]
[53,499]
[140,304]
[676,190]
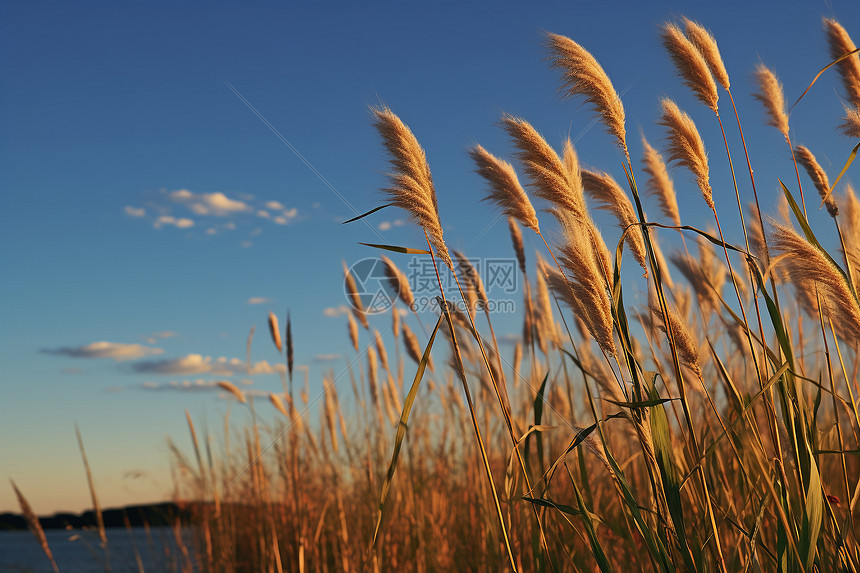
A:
[151,218]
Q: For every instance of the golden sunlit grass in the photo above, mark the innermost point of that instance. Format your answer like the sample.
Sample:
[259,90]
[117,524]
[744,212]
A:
[713,433]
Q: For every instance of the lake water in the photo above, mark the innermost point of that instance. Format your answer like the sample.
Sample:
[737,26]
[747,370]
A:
[21,553]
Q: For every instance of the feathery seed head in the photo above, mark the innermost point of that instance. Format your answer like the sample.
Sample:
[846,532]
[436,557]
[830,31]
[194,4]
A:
[840,43]
[517,240]
[505,188]
[704,41]
[819,177]
[582,75]
[660,183]
[410,183]
[770,94]
[685,146]
[691,65]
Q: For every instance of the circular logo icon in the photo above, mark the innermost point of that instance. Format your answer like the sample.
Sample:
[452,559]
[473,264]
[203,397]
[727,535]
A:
[373,289]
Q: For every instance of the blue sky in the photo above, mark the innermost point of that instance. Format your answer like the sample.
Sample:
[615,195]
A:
[133,181]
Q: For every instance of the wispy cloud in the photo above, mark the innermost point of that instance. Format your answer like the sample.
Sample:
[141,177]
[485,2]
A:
[198,364]
[116,350]
[335,311]
[327,357]
[180,223]
[215,212]
[386,225]
[156,336]
[258,300]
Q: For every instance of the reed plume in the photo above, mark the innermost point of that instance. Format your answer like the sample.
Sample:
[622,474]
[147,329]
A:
[289,334]
[770,94]
[756,237]
[330,413]
[413,349]
[840,43]
[353,331]
[819,177]
[851,228]
[505,188]
[851,124]
[380,349]
[372,377]
[231,388]
[278,404]
[610,196]
[552,179]
[659,182]
[517,240]
[805,263]
[275,331]
[691,65]
[582,75]
[587,284]
[352,291]
[34,525]
[684,339]
[705,42]
[395,323]
[399,282]
[472,276]
[410,183]
[686,148]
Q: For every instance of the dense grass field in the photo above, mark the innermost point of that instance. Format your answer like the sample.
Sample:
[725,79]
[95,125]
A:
[714,428]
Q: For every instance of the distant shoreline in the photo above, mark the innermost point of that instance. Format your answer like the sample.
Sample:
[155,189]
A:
[153,515]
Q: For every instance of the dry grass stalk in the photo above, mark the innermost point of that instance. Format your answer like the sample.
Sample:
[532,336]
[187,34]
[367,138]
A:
[517,241]
[685,147]
[410,183]
[840,43]
[684,339]
[231,388]
[705,42]
[34,525]
[660,183]
[691,65]
[582,75]
[771,95]
[551,178]
[289,334]
[399,281]
[518,360]
[353,331]
[610,196]
[805,263]
[354,297]
[505,188]
[546,321]
[756,237]
[819,177]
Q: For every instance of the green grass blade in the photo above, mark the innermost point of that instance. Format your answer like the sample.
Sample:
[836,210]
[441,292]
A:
[402,425]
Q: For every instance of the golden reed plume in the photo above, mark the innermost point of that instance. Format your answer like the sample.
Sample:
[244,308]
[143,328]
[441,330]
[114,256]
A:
[685,147]
[691,65]
[705,42]
[505,188]
[818,176]
[770,94]
[410,183]
[660,183]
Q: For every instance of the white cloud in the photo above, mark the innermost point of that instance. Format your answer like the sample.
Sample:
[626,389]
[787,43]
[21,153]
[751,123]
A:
[134,211]
[256,232]
[155,336]
[290,213]
[326,357]
[212,231]
[217,204]
[181,223]
[116,350]
[385,225]
[274,206]
[333,312]
[258,300]
[230,226]
[245,244]
[263,214]
[197,364]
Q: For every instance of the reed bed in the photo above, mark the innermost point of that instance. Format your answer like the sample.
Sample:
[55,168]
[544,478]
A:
[713,428]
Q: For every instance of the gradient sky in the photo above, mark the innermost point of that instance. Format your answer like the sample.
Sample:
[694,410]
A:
[133,178]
